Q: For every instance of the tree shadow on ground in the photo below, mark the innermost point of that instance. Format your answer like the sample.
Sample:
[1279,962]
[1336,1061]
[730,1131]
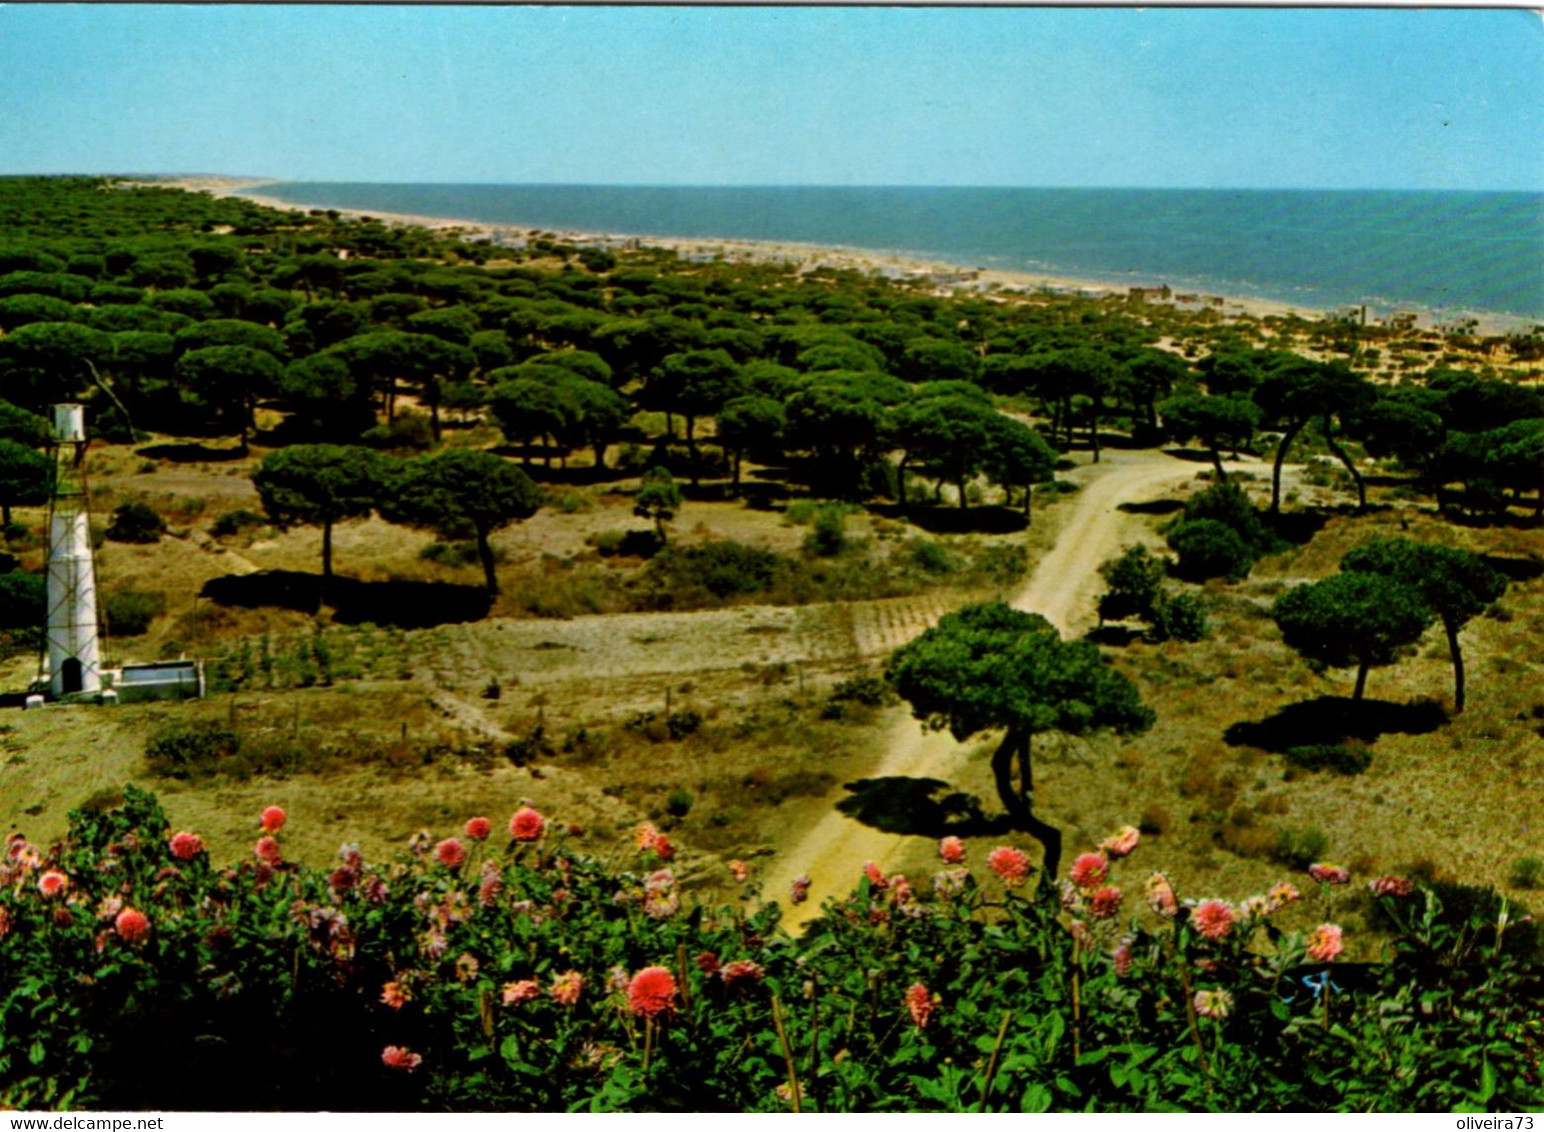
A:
[580,475]
[190,453]
[1115,636]
[404,604]
[1152,507]
[1334,719]
[982,520]
[1515,569]
[1297,527]
[907,806]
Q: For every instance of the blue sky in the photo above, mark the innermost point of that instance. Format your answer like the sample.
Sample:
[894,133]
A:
[1256,98]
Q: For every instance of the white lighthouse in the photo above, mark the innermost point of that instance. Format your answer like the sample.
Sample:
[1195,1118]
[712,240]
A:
[74,666]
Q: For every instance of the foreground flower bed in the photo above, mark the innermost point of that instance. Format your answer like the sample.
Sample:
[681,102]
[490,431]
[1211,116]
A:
[496,970]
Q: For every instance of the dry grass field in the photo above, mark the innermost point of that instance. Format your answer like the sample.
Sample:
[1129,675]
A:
[388,729]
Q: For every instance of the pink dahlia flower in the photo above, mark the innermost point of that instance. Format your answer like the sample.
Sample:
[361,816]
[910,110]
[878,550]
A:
[952,850]
[1160,895]
[1122,841]
[273,819]
[450,853]
[741,970]
[1213,1004]
[919,1001]
[799,891]
[1105,902]
[478,828]
[1326,873]
[1391,886]
[1090,869]
[526,824]
[1324,943]
[132,926]
[521,991]
[1212,918]
[1010,864]
[267,850]
[651,992]
[395,1057]
[186,846]
[52,883]
[567,987]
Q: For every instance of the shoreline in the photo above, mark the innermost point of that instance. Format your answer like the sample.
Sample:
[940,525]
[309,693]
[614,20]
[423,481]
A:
[945,277]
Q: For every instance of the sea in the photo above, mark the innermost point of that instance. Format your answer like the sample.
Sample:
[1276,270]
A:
[1443,254]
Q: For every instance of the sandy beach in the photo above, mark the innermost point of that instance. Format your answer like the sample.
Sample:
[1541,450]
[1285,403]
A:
[945,277]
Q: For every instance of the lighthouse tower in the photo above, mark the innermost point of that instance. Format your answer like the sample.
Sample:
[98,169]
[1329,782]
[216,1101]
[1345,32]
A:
[74,667]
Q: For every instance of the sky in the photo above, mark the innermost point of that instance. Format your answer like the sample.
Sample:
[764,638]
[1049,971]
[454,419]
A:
[1079,97]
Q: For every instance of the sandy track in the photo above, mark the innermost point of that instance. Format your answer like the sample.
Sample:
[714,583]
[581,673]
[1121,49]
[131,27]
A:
[1063,590]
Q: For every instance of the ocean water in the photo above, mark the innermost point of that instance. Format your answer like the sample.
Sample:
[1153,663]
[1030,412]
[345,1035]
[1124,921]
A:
[1441,252]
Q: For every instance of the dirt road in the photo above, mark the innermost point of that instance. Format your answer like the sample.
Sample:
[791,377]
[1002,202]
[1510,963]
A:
[1063,589]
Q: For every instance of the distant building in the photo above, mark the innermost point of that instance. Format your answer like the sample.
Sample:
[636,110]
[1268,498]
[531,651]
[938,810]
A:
[1147,294]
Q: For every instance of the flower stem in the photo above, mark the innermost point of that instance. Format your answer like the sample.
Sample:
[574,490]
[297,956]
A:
[991,1065]
[782,1038]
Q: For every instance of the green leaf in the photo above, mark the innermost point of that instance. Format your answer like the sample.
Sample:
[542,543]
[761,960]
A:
[1037,1098]
[37,1053]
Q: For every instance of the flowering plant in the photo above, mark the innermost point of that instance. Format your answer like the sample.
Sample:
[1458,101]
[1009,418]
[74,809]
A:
[464,976]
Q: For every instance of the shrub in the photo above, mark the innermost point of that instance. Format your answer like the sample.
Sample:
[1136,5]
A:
[1228,504]
[129,613]
[23,600]
[1527,872]
[234,522]
[723,568]
[680,724]
[135,522]
[330,980]
[871,691]
[191,750]
[410,431]
[679,802]
[1002,564]
[1209,549]
[1299,848]
[828,533]
[457,553]
[1136,585]
[1182,618]
[930,557]
[1330,756]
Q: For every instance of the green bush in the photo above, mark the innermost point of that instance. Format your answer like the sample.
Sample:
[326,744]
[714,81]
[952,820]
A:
[191,751]
[538,979]
[456,553]
[872,691]
[1330,756]
[828,533]
[1181,618]
[1298,848]
[234,522]
[1527,872]
[410,431]
[1228,504]
[23,600]
[680,724]
[1209,549]
[931,557]
[679,802]
[129,613]
[135,522]
[723,568]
